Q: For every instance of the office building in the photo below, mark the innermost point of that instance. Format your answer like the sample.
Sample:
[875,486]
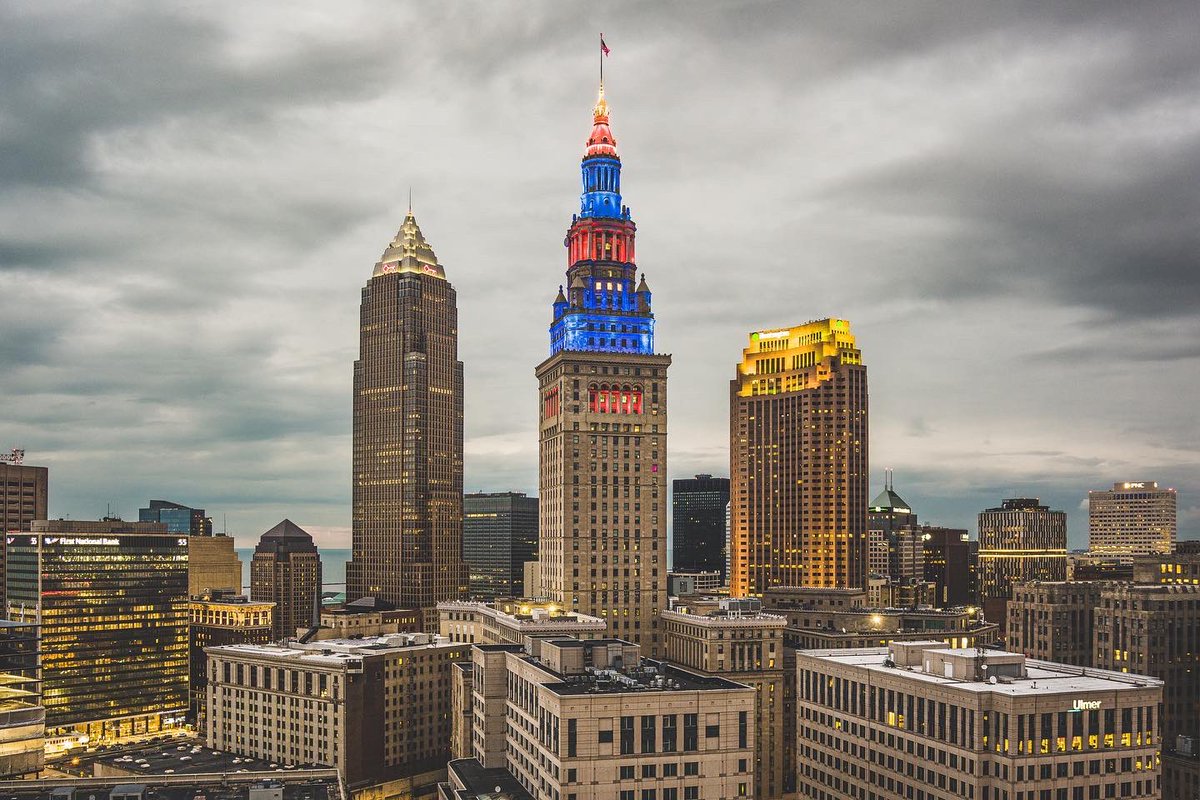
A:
[22,717]
[817,621]
[512,621]
[366,616]
[1179,568]
[467,779]
[1052,620]
[1134,518]
[24,495]
[374,708]
[1181,770]
[407,492]
[500,532]
[899,537]
[178,518]
[921,719]
[698,524]
[798,460]
[594,721]
[951,560]
[116,665]
[1087,567]
[220,618]
[602,451]
[286,570]
[1021,540]
[687,583]
[1155,630]
[742,643]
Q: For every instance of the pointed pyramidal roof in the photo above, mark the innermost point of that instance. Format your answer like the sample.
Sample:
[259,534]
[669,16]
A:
[409,252]
[888,500]
[286,537]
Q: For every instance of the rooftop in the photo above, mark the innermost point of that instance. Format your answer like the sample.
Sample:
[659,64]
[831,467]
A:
[481,783]
[333,651]
[648,676]
[186,759]
[1039,678]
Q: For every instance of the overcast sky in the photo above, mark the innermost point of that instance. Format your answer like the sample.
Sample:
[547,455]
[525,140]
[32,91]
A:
[1001,198]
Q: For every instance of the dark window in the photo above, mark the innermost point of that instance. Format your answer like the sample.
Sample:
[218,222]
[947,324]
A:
[668,732]
[691,733]
[627,772]
[604,737]
[648,733]
[571,733]
[742,725]
[712,731]
[626,735]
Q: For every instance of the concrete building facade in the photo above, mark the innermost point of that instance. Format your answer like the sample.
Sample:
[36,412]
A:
[374,708]
[1052,620]
[574,720]
[512,621]
[1133,518]
[602,450]
[220,618]
[740,642]
[934,723]
[286,570]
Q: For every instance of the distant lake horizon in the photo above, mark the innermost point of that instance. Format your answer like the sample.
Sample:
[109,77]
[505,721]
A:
[333,568]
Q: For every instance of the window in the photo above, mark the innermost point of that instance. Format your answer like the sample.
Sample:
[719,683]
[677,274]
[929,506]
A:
[627,794]
[649,771]
[691,768]
[627,772]
[742,724]
[691,733]
[648,733]
[648,794]
[626,735]
[604,737]
[691,793]
[712,731]
[668,732]
[573,775]
[571,734]
[670,770]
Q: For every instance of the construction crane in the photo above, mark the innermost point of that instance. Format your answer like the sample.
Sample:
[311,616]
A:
[16,457]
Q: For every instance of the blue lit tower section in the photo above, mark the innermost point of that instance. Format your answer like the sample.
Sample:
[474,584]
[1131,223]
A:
[602,433]
[605,307]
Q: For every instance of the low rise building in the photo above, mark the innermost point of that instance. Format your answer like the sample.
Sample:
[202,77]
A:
[510,621]
[374,708]
[740,642]
[681,584]
[920,720]
[1052,620]
[1087,567]
[219,618]
[591,720]
[1176,568]
[366,616]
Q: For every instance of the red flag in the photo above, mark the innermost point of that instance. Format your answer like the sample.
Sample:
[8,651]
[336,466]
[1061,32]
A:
[603,47]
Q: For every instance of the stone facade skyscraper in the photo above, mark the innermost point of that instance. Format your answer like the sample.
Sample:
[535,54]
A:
[603,422]
[408,433]
[1022,540]
[1135,518]
[798,460]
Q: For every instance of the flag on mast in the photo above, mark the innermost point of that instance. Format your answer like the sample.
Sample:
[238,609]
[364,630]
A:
[603,47]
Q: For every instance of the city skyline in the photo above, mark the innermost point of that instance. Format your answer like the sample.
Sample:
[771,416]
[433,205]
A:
[940,197]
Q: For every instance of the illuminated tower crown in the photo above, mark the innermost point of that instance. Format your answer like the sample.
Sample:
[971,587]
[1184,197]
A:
[605,308]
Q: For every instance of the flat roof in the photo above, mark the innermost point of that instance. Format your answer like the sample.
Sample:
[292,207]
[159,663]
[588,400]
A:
[480,781]
[337,651]
[643,678]
[1042,677]
[184,759]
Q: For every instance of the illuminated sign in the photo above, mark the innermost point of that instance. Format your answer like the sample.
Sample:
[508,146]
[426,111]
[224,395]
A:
[84,541]
[773,334]
[1085,705]
[1135,485]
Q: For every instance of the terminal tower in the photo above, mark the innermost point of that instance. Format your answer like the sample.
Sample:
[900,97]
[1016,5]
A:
[603,420]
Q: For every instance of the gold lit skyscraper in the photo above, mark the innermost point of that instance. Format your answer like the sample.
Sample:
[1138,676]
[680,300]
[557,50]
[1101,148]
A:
[798,460]
[408,433]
